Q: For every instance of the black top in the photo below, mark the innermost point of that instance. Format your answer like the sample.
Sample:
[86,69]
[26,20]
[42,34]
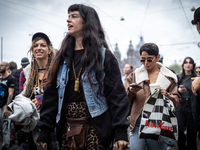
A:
[70,94]
[184,104]
[191,105]
[16,74]
[5,84]
[186,81]
[36,89]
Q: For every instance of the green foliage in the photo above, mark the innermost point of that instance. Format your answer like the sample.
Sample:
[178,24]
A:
[176,68]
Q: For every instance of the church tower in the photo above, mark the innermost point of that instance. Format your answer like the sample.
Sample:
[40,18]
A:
[141,42]
[130,54]
[137,52]
[133,55]
[117,53]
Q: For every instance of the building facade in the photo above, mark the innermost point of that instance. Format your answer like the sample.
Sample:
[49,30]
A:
[133,56]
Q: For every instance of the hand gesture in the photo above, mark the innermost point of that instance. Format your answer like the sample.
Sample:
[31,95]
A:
[134,89]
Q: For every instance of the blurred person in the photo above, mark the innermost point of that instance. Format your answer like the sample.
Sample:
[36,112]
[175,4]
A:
[85,87]
[188,109]
[196,22]
[34,76]
[161,59]
[12,66]
[7,84]
[128,68]
[197,70]
[16,74]
[149,73]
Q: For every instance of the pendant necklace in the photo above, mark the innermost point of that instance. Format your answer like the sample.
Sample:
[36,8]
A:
[77,82]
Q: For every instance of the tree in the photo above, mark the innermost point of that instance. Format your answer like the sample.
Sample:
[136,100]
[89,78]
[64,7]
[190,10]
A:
[176,68]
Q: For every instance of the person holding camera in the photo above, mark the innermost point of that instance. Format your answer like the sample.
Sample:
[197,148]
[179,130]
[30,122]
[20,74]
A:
[187,110]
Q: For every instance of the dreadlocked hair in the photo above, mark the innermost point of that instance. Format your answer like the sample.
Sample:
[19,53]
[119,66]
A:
[33,73]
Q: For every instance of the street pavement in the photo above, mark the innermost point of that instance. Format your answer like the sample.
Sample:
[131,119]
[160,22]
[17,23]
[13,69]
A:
[15,146]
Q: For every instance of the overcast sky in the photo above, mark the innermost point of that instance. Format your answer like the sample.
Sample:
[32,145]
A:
[166,23]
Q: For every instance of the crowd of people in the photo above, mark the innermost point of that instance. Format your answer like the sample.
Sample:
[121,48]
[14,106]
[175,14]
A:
[75,98]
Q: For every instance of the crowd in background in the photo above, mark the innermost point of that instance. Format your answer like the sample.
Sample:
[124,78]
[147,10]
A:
[75,97]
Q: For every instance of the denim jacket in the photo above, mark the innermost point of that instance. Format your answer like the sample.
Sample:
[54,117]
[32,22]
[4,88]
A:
[96,105]
[111,107]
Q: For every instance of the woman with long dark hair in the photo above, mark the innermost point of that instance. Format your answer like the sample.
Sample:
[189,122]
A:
[188,110]
[85,93]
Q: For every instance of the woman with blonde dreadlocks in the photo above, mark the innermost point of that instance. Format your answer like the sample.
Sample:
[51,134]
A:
[36,73]
[34,76]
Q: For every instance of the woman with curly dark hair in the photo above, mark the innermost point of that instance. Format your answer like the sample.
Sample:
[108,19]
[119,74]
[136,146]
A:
[85,97]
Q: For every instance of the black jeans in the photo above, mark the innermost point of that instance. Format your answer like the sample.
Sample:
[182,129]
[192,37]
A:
[185,121]
[25,140]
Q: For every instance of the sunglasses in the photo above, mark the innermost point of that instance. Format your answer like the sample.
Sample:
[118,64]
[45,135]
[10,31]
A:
[148,60]
[197,72]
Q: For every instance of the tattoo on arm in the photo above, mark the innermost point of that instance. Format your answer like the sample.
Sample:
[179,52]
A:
[10,96]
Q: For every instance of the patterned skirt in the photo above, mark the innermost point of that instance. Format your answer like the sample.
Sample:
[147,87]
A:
[78,110]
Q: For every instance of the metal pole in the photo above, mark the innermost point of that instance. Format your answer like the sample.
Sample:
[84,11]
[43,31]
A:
[1,49]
